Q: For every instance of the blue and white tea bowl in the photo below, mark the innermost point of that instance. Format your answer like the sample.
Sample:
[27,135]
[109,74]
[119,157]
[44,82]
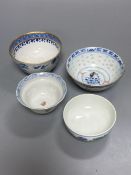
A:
[36,51]
[41,92]
[89,117]
[95,68]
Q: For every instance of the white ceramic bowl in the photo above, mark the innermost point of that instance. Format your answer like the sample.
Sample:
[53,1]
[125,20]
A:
[89,116]
[36,51]
[95,68]
[41,92]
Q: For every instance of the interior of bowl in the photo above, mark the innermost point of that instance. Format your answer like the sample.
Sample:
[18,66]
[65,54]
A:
[89,115]
[34,48]
[95,66]
[41,92]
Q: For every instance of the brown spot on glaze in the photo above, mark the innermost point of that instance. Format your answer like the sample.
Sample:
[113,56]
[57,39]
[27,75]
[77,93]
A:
[43,103]
[105,82]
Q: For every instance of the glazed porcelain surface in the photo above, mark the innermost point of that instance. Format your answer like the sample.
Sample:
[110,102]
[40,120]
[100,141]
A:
[95,68]
[89,116]
[36,51]
[41,92]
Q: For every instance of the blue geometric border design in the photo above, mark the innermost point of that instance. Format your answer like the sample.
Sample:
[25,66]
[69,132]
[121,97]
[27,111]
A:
[22,83]
[33,36]
[96,50]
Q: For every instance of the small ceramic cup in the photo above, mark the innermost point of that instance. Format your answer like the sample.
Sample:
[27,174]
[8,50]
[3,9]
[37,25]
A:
[89,116]
[36,51]
[95,68]
[41,92]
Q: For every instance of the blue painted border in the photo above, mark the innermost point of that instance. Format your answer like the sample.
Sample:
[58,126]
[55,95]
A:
[32,36]
[96,50]
[23,82]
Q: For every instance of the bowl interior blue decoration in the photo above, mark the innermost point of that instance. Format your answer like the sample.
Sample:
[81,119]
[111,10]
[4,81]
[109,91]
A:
[36,51]
[95,68]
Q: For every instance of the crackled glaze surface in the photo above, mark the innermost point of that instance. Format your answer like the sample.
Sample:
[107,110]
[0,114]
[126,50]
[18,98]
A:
[41,92]
[95,67]
[89,116]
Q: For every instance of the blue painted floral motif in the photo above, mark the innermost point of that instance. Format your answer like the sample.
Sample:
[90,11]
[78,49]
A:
[98,49]
[105,50]
[83,50]
[91,50]
[120,62]
[93,79]
[82,139]
[40,67]
[44,66]
[111,53]
[37,67]
[23,66]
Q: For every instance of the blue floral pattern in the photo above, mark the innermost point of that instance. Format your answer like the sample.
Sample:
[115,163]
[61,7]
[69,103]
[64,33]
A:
[23,66]
[93,79]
